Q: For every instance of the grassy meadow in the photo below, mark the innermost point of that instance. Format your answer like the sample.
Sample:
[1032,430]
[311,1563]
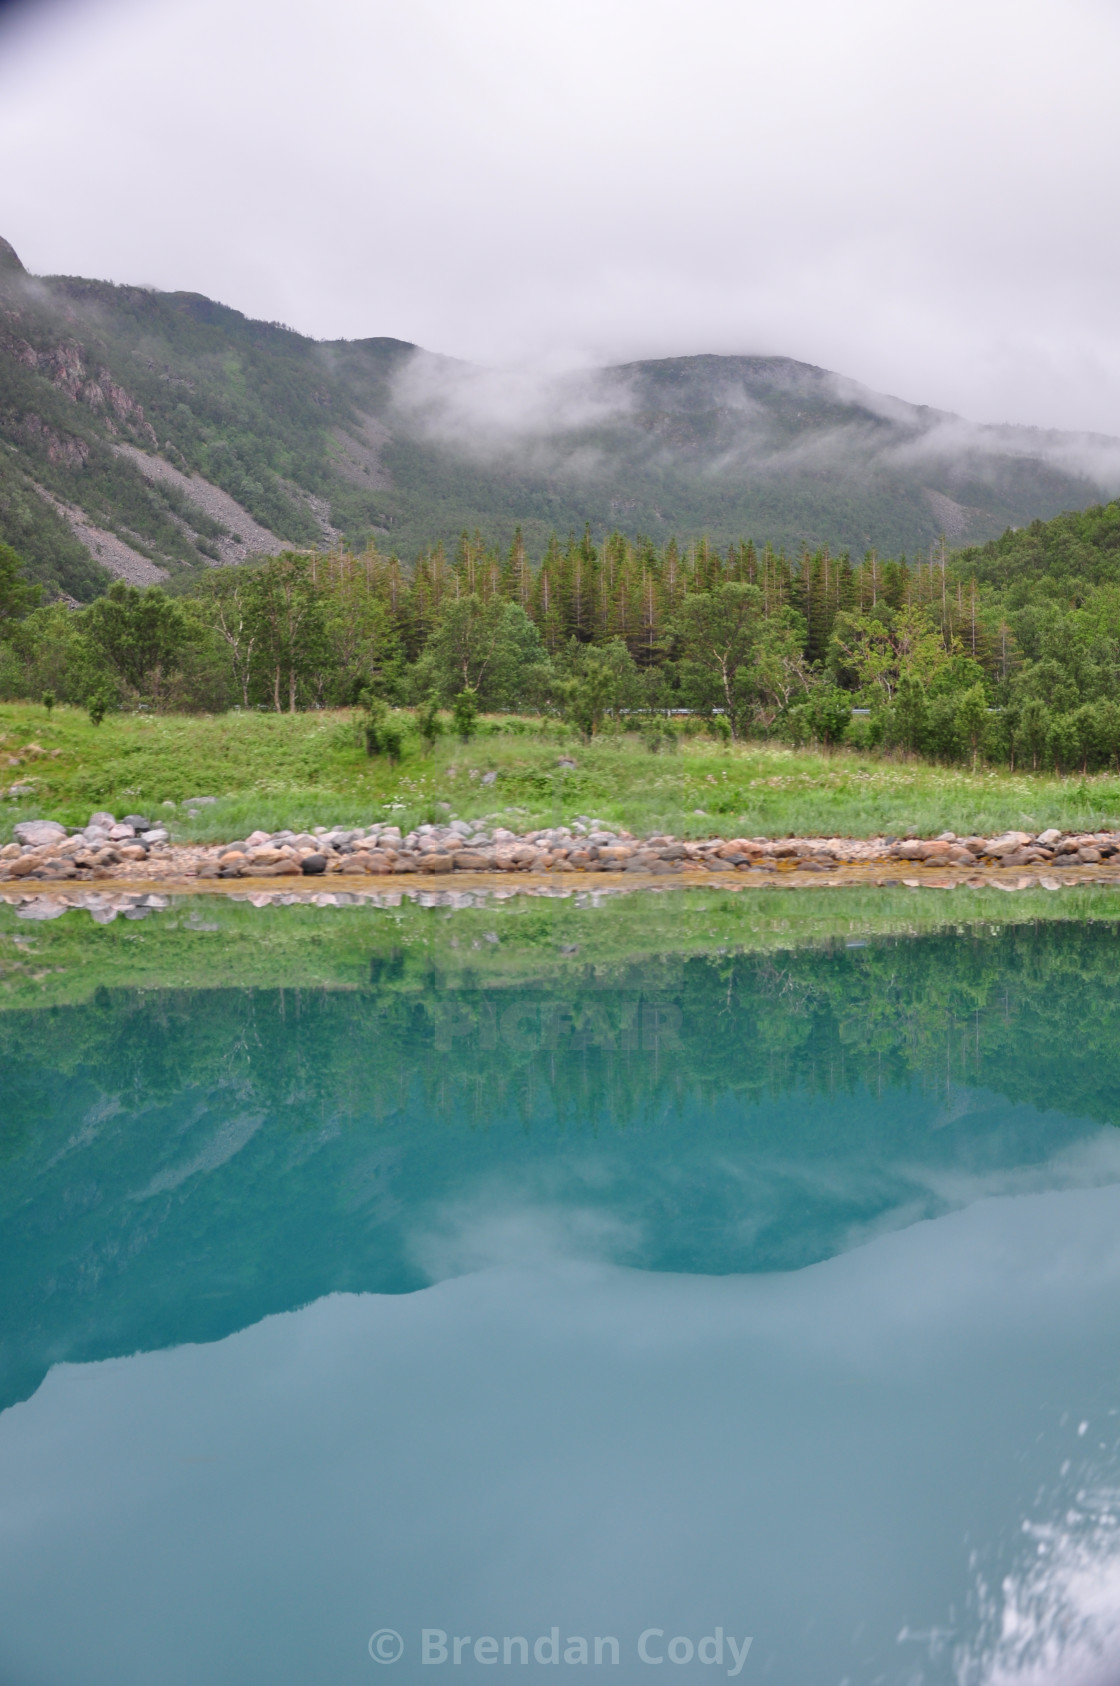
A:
[307,769]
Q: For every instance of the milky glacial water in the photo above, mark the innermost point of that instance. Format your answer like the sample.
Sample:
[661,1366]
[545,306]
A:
[697,1298]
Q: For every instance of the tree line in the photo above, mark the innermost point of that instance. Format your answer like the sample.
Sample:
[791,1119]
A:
[962,656]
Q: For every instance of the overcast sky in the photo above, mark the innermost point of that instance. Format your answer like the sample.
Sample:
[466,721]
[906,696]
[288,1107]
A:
[920,195]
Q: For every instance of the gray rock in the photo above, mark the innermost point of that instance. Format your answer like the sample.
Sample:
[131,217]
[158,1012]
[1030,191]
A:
[38,833]
[103,818]
[138,822]
[157,836]
[199,801]
[489,778]
[42,908]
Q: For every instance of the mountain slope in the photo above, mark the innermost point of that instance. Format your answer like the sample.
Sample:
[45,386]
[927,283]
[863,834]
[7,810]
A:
[152,434]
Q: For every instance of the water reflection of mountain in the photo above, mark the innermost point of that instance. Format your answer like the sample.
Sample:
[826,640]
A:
[179,1164]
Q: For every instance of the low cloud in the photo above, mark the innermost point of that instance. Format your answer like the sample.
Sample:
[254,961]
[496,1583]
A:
[537,417]
[718,418]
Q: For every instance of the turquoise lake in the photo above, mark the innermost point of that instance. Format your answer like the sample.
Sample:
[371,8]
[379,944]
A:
[459,1293]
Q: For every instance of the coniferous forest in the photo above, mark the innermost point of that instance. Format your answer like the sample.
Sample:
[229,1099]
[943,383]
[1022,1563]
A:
[1007,652]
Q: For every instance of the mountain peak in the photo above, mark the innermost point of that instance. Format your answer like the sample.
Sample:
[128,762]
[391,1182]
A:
[9,258]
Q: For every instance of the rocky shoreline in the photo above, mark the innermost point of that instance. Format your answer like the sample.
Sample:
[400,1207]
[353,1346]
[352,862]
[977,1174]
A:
[133,850]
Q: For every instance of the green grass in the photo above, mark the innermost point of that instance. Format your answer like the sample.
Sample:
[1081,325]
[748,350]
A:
[310,769]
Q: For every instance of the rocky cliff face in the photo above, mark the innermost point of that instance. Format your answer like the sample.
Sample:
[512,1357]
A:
[75,441]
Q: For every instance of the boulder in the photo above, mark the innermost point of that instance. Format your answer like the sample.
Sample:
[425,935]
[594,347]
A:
[38,833]
[312,866]
[1008,843]
[25,866]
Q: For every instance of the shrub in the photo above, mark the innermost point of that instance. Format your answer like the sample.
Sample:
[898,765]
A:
[464,714]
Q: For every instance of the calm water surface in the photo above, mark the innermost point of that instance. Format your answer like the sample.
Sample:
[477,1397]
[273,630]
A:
[533,1277]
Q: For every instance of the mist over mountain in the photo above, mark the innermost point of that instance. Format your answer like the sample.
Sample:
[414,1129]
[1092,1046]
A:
[149,435]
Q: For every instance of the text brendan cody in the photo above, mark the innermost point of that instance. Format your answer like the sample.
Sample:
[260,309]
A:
[717,1649]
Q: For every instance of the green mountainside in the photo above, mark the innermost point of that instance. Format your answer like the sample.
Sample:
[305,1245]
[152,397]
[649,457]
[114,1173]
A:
[152,434]
[1078,549]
